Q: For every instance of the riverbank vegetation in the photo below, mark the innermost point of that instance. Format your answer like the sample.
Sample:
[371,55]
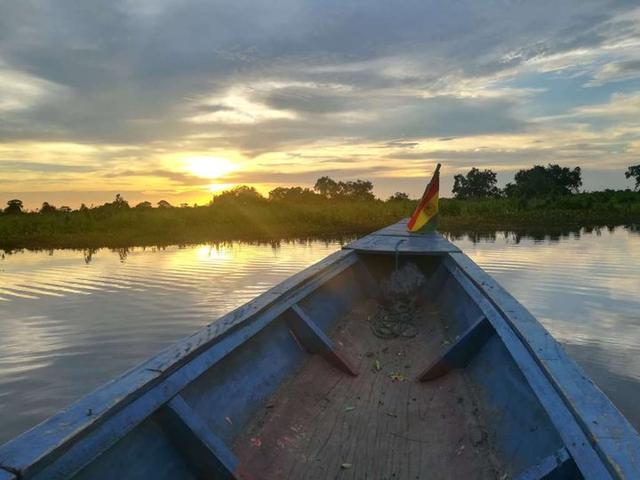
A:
[540,196]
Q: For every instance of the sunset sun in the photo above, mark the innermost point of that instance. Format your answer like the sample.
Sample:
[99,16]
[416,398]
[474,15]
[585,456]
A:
[209,167]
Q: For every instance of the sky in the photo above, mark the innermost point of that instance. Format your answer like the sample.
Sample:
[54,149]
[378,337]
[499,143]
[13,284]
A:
[178,99]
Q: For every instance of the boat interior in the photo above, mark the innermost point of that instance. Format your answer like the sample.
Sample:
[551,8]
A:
[378,367]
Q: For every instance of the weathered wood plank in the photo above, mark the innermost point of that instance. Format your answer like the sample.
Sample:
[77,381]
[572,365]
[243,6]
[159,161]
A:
[559,466]
[461,352]
[315,341]
[71,438]
[381,427]
[603,427]
[207,454]
[422,244]
[398,228]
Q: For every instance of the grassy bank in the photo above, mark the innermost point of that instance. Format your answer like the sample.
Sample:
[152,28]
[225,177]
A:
[274,220]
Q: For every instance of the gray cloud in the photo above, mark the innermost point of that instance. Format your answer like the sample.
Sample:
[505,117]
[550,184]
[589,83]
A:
[13,166]
[131,68]
[616,72]
[369,118]
[176,177]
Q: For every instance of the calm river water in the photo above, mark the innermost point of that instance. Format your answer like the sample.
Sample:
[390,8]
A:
[70,320]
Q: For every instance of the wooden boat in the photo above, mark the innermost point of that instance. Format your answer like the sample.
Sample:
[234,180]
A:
[296,385]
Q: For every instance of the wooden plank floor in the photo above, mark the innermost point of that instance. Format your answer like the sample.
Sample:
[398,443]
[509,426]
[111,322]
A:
[324,424]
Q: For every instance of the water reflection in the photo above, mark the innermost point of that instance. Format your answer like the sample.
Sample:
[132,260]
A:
[72,320]
[550,233]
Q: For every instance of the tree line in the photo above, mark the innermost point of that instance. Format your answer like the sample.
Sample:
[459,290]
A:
[538,181]
[325,188]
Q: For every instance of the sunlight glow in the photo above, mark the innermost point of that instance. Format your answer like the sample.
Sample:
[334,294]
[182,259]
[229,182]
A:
[209,167]
[218,187]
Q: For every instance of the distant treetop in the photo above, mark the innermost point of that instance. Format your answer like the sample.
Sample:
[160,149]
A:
[240,195]
[349,190]
[48,208]
[476,184]
[14,206]
[549,180]
[398,197]
[634,172]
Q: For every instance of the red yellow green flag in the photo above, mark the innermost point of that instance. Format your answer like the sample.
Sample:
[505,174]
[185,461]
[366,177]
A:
[425,217]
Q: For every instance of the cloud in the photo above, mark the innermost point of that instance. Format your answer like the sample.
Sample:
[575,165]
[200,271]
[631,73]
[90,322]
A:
[176,177]
[620,108]
[21,91]
[251,79]
[616,72]
[321,112]
[42,167]
[131,65]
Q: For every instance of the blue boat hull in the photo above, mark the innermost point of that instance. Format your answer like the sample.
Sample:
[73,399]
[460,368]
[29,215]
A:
[295,385]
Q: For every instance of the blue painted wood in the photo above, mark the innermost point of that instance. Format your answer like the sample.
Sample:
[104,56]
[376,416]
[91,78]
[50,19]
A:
[559,466]
[427,244]
[145,452]
[68,441]
[400,229]
[314,340]
[601,425]
[257,368]
[519,427]
[517,423]
[338,295]
[396,239]
[5,475]
[461,352]
[206,453]
[574,438]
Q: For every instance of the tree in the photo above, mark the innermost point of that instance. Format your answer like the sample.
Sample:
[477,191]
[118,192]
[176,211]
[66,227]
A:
[360,190]
[326,187]
[549,180]
[476,184]
[292,194]
[634,172]
[350,190]
[398,197]
[143,205]
[164,204]
[14,207]
[240,195]
[65,209]
[120,202]
[48,208]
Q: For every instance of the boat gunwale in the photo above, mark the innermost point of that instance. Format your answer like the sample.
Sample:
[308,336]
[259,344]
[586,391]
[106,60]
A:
[574,438]
[610,434]
[36,448]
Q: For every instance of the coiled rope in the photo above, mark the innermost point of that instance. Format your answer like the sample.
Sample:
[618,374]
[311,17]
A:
[398,311]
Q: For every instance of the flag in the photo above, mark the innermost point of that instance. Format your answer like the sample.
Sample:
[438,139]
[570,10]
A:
[425,218]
